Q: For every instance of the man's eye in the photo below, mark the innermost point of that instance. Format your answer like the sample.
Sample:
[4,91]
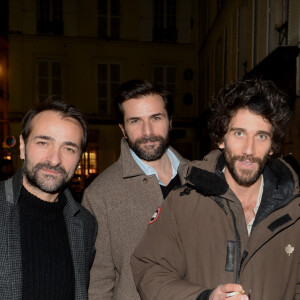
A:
[262,136]
[133,121]
[70,150]
[238,133]
[41,143]
[156,118]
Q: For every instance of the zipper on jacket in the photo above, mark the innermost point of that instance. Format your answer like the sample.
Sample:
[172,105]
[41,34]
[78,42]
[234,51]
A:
[238,245]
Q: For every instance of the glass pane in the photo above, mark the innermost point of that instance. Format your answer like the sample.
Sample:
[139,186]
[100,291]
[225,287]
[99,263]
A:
[171,14]
[56,87]
[56,69]
[171,74]
[158,13]
[113,89]
[102,72]
[115,7]
[42,98]
[57,10]
[171,88]
[102,107]
[102,90]
[102,7]
[43,69]
[102,27]
[158,74]
[43,87]
[115,28]
[115,72]
[44,9]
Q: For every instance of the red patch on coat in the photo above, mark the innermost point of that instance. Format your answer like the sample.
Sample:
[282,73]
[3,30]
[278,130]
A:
[155,216]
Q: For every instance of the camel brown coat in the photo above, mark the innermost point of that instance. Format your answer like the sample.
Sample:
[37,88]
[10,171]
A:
[123,200]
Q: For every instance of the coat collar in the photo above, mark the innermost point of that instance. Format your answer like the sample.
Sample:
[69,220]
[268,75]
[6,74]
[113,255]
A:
[130,167]
[75,229]
[281,182]
[13,187]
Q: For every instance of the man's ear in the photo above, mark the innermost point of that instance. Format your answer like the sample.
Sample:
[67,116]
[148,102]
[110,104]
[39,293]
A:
[22,148]
[123,130]
[221,145]
[271,151]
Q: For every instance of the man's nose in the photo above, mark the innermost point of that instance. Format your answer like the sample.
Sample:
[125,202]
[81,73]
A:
[249,146]
[147,128]
[54,156]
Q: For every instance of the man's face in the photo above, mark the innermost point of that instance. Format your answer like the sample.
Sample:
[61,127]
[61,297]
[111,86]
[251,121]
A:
[146,126]
[247,145]
[52,152]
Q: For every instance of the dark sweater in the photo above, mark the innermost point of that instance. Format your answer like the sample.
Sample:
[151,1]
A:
[47,268]
[167,189]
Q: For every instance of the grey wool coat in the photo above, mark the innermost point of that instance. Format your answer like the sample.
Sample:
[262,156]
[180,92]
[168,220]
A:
[123,200]
[81,227]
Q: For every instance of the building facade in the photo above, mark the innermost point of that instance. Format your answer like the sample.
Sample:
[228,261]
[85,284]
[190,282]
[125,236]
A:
[80,51]
[251,37]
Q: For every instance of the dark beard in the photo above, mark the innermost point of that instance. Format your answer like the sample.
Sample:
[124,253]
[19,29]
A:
[48,183]
[151,153]
[247,177]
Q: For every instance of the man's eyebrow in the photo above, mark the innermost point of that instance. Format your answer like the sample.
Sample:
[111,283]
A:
[237,129]
[71,144]
[244,130]
[49,138]
[44,137]
[158,114]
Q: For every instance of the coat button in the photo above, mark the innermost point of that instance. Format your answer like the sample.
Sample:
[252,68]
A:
[145,180]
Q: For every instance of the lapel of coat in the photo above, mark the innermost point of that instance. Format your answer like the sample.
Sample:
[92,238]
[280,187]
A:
[14,255]
[74,227]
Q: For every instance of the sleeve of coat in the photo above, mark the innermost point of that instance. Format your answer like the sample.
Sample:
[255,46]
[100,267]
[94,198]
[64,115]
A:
[297,295]
[158,262]
[102,274]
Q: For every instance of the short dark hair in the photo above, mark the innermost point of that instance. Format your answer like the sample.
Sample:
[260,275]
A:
[137,88]
[64,109]
[259,96]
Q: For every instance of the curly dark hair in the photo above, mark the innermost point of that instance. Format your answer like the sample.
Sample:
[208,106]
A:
[259,96]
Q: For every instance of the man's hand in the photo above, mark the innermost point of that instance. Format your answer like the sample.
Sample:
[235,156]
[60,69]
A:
[222,290]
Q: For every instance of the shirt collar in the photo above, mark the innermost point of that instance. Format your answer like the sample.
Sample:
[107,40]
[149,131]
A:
[148,170]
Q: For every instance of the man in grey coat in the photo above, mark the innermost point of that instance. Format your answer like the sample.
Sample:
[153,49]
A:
[47,239]
[124,197]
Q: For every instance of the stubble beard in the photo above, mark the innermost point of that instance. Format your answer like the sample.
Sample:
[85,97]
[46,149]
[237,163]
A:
[151,152]
[244,177]
[47,183]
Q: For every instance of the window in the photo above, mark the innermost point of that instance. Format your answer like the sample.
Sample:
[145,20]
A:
[49,77]
[166,76]
[109,19]
[4,18]
[108,78]
[278,24]
[89,162]
[50,17]
[219,63]
[242,41]
[165,21]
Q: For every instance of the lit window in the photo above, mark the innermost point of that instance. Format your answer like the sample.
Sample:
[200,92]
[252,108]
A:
[89,162]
